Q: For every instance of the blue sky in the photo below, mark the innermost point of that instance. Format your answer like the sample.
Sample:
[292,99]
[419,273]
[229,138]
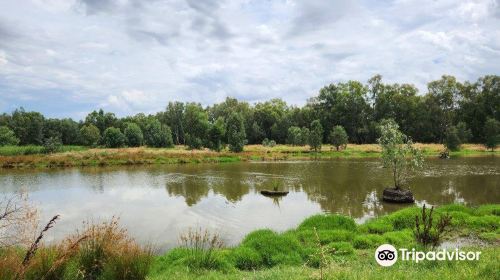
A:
[67,57]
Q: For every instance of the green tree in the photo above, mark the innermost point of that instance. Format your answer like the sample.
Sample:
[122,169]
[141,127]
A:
[491,133]
[7,136]
[90,135]
[52,145]
[235,130]
[195,125]
[304,133]
[316,136]
[338,137]
[134,136]
[113,138]
[158,135]
[464,134]
[28,126]
[294,136]
[174,118]
[452,141]
[216,135]
[101,120]
[398,153]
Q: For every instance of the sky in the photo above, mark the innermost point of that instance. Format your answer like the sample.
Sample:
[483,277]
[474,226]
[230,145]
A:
[65,58]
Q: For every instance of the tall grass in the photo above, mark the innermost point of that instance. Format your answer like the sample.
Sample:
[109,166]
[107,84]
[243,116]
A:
[34,150]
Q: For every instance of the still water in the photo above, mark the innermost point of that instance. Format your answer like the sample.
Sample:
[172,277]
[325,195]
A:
[156,203]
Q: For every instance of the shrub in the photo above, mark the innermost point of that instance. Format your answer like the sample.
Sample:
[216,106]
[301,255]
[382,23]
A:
[7,137]
[328,222]
[491,133]
[109,250]
[134,136]
[113,138]
[158,135]
[428,233]
[245,258]
[201,246]
[367,241]
[274,249]
[90,135]
[235,132]
[52,145]
[338,137]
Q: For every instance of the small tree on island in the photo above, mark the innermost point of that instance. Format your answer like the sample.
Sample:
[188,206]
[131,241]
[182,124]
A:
[398,153]
[338,137]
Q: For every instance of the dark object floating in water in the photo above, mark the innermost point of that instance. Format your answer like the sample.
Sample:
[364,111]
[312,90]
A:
[444,155]
[398,195]
[274,193]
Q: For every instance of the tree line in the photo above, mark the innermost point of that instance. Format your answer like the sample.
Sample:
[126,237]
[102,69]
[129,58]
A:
[450,112]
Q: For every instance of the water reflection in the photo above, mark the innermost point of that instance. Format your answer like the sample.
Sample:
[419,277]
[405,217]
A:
[155,203]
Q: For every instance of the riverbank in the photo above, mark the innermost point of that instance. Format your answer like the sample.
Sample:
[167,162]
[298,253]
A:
[330,245]
[74,156]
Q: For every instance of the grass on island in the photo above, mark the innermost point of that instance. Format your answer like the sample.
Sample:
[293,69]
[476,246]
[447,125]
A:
[330,245]
[69,156]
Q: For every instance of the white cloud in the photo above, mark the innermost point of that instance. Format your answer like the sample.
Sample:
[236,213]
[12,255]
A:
[128,56]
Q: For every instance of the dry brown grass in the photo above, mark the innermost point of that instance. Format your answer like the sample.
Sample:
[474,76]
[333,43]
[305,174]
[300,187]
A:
[179,154]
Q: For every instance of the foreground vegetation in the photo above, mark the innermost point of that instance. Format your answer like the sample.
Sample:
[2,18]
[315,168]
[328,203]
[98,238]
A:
[322,246]
[33,156]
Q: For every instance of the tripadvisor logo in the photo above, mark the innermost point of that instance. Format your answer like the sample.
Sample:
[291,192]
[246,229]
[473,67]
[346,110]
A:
[387,255]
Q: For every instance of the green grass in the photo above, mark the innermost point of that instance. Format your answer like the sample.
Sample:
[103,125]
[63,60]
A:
[265,254]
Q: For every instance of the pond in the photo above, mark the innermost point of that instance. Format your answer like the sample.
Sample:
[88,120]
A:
[157,203]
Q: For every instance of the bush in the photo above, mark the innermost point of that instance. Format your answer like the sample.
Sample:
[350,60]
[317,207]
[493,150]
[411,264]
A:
[158,135]
[7,137]
[52,145]
[235,132]
[316,136]
[134,136]
[274,249]
[368,241]
[245,258]
[90,135]
[483,223]
[404,219]
[113,138]
[328,222]
[338,137]
[203,249]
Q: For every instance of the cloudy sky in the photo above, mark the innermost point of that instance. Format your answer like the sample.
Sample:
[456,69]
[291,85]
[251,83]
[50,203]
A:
[67,57]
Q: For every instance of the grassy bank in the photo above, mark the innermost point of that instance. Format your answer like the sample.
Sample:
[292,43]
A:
[348,248]
[330,245]
[31,156]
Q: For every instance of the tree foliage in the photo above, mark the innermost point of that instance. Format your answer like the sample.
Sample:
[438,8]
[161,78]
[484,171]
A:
[158,135]
[452,139]
[134,135]
[113,138]
[358,107]
[90,135]
[316,136]
[398,153]
[235,129]
[7,136]
[338,137]
[491,133]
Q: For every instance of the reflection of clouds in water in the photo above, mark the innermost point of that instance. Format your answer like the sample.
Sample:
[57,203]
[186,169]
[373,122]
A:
[156,203]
